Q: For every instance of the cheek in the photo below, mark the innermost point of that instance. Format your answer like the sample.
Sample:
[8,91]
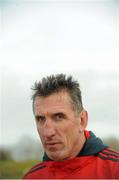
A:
[65,134]
[72,133]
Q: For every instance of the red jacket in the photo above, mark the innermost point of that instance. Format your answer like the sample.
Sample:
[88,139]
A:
[95,161]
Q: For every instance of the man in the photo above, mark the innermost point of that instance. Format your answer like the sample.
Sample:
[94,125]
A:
[71,152]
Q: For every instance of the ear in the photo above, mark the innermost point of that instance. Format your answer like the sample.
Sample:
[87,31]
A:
[83,120]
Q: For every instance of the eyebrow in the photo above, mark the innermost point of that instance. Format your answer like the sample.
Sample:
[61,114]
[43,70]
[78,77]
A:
[59,113]
[53,114]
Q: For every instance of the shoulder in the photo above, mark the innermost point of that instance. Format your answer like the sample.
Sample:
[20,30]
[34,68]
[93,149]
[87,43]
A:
[109,154]
[34,169]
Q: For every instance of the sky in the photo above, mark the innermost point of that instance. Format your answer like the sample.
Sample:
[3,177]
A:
[39,38]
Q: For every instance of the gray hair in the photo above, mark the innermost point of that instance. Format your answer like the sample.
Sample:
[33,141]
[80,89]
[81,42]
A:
[56,83]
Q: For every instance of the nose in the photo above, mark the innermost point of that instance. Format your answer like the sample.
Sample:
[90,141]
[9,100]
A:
[49,129]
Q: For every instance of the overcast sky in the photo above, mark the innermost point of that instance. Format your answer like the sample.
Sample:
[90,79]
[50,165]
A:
[80,38]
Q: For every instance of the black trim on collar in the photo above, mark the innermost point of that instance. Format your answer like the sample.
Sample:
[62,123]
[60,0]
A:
[92,146]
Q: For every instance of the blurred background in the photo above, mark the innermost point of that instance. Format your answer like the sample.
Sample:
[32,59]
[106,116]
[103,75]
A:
[43,37]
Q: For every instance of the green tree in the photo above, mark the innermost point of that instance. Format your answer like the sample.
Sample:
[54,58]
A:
[5,155]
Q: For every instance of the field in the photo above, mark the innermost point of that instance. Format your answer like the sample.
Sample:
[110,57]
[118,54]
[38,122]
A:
[14,170]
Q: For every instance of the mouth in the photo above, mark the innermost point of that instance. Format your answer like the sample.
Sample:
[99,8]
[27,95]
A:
[52,144]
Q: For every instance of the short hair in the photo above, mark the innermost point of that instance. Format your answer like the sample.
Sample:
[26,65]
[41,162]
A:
[56,83]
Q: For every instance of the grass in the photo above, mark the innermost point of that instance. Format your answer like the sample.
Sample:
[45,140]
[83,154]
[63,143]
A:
[15,170]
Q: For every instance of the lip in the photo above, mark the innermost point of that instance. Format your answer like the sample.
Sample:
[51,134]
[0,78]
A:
[51,144]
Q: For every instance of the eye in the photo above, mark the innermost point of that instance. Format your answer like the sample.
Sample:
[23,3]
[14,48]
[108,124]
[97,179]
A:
[59,116]
[40,119]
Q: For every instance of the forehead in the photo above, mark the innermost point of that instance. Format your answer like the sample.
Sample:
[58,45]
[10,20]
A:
[58,101]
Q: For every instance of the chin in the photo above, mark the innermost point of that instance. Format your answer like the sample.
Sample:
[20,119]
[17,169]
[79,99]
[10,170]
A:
[53,155]
[55,158]
[57,155]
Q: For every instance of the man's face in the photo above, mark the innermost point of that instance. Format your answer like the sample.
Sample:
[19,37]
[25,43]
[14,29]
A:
[58,125]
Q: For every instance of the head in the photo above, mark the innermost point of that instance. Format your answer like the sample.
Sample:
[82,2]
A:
[60,116]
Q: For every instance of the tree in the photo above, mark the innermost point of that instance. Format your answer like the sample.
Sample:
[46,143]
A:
[5,154]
